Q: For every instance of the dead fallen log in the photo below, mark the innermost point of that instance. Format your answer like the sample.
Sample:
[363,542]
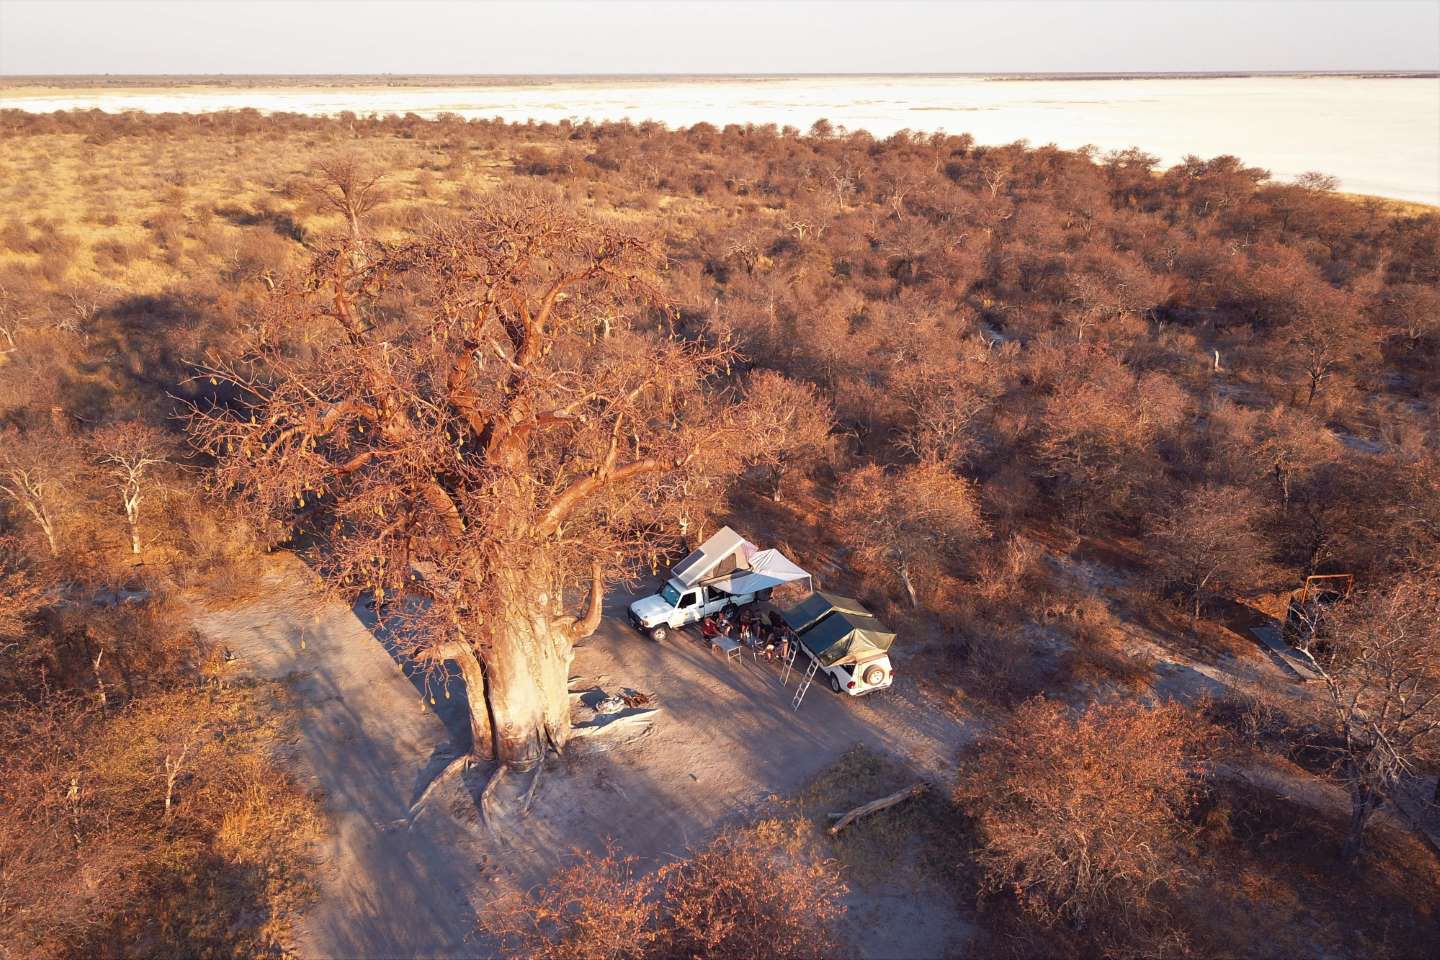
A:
[613,722]
[844,820]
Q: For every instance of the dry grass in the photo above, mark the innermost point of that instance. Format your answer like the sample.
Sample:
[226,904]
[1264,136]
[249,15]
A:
[98,213]
[922,841]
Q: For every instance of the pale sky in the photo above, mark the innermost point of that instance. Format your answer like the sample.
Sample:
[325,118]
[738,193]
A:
[710,36]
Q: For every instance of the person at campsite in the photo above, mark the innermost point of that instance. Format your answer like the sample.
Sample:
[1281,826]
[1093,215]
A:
[708,628]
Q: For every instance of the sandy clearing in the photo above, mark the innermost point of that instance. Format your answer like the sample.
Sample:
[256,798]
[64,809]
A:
[724,741]
[363,742]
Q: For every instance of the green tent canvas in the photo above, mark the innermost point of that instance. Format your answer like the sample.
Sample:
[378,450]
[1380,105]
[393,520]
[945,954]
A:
[838,629]
[808,612]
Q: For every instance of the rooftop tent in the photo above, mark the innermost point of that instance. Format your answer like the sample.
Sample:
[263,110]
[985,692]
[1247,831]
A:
[768,569]
[838,629]
[723,553]
[842,637]
[810,610]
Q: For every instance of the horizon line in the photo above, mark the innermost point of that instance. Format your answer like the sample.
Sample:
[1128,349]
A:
[1419,73]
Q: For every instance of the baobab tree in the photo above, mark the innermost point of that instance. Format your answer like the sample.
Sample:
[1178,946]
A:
[467,441]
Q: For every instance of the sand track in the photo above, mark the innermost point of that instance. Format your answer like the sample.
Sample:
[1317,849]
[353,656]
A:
[725,738]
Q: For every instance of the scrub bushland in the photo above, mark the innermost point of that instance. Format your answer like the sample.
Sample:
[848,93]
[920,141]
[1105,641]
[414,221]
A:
[1213,382]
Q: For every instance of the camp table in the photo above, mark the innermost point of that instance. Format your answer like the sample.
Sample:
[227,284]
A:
[728,646]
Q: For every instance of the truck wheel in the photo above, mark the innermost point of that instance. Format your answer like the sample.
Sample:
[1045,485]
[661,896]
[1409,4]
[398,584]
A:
[875,675]
[834,682]
[658,634]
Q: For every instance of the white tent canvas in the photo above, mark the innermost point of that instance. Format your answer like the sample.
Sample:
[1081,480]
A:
[724,553]
[729,562]
[768,569]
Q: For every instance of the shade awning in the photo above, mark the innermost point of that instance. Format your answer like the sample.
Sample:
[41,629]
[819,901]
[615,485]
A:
[768,569]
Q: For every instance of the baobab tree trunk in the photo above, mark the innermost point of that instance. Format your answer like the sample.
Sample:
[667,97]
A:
[527,690]
[517,679]
[482,741]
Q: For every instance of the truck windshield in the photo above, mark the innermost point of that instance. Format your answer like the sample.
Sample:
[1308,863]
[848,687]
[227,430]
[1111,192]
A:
[671,595]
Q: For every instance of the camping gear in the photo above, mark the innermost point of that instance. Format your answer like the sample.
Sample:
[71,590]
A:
[838,630]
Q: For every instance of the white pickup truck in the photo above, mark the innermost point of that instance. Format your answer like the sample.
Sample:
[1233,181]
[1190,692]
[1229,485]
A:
[726,571]
[677,605]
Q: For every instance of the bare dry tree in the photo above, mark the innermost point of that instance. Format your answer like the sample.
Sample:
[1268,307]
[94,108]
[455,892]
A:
[1081,816]
[746,895]
[909,519]
[749,893]
[346,184]
[22,594]
[1413,307]
[128,452]
[792,423]
[464,439]
[1206,541]
[1378,656]
[14,318]
[33,476]
[78,314]
[596,907]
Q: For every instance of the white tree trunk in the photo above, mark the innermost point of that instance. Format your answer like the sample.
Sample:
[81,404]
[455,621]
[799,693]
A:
[909,586]
[132,517]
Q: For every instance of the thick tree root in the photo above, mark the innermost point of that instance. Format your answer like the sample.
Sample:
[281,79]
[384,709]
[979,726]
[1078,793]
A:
[461,763]
[489,792]
[534,783]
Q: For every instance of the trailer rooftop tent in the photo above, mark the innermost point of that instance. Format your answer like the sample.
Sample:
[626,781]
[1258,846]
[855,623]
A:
[838,630]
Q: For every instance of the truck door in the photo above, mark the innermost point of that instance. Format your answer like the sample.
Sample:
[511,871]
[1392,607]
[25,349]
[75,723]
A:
[714,599]
[690,606]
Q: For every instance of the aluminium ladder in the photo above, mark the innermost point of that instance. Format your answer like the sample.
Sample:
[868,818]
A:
[805,684]
[789,662]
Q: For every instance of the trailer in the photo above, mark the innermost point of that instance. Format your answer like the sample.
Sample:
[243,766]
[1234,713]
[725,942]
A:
[844,641]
